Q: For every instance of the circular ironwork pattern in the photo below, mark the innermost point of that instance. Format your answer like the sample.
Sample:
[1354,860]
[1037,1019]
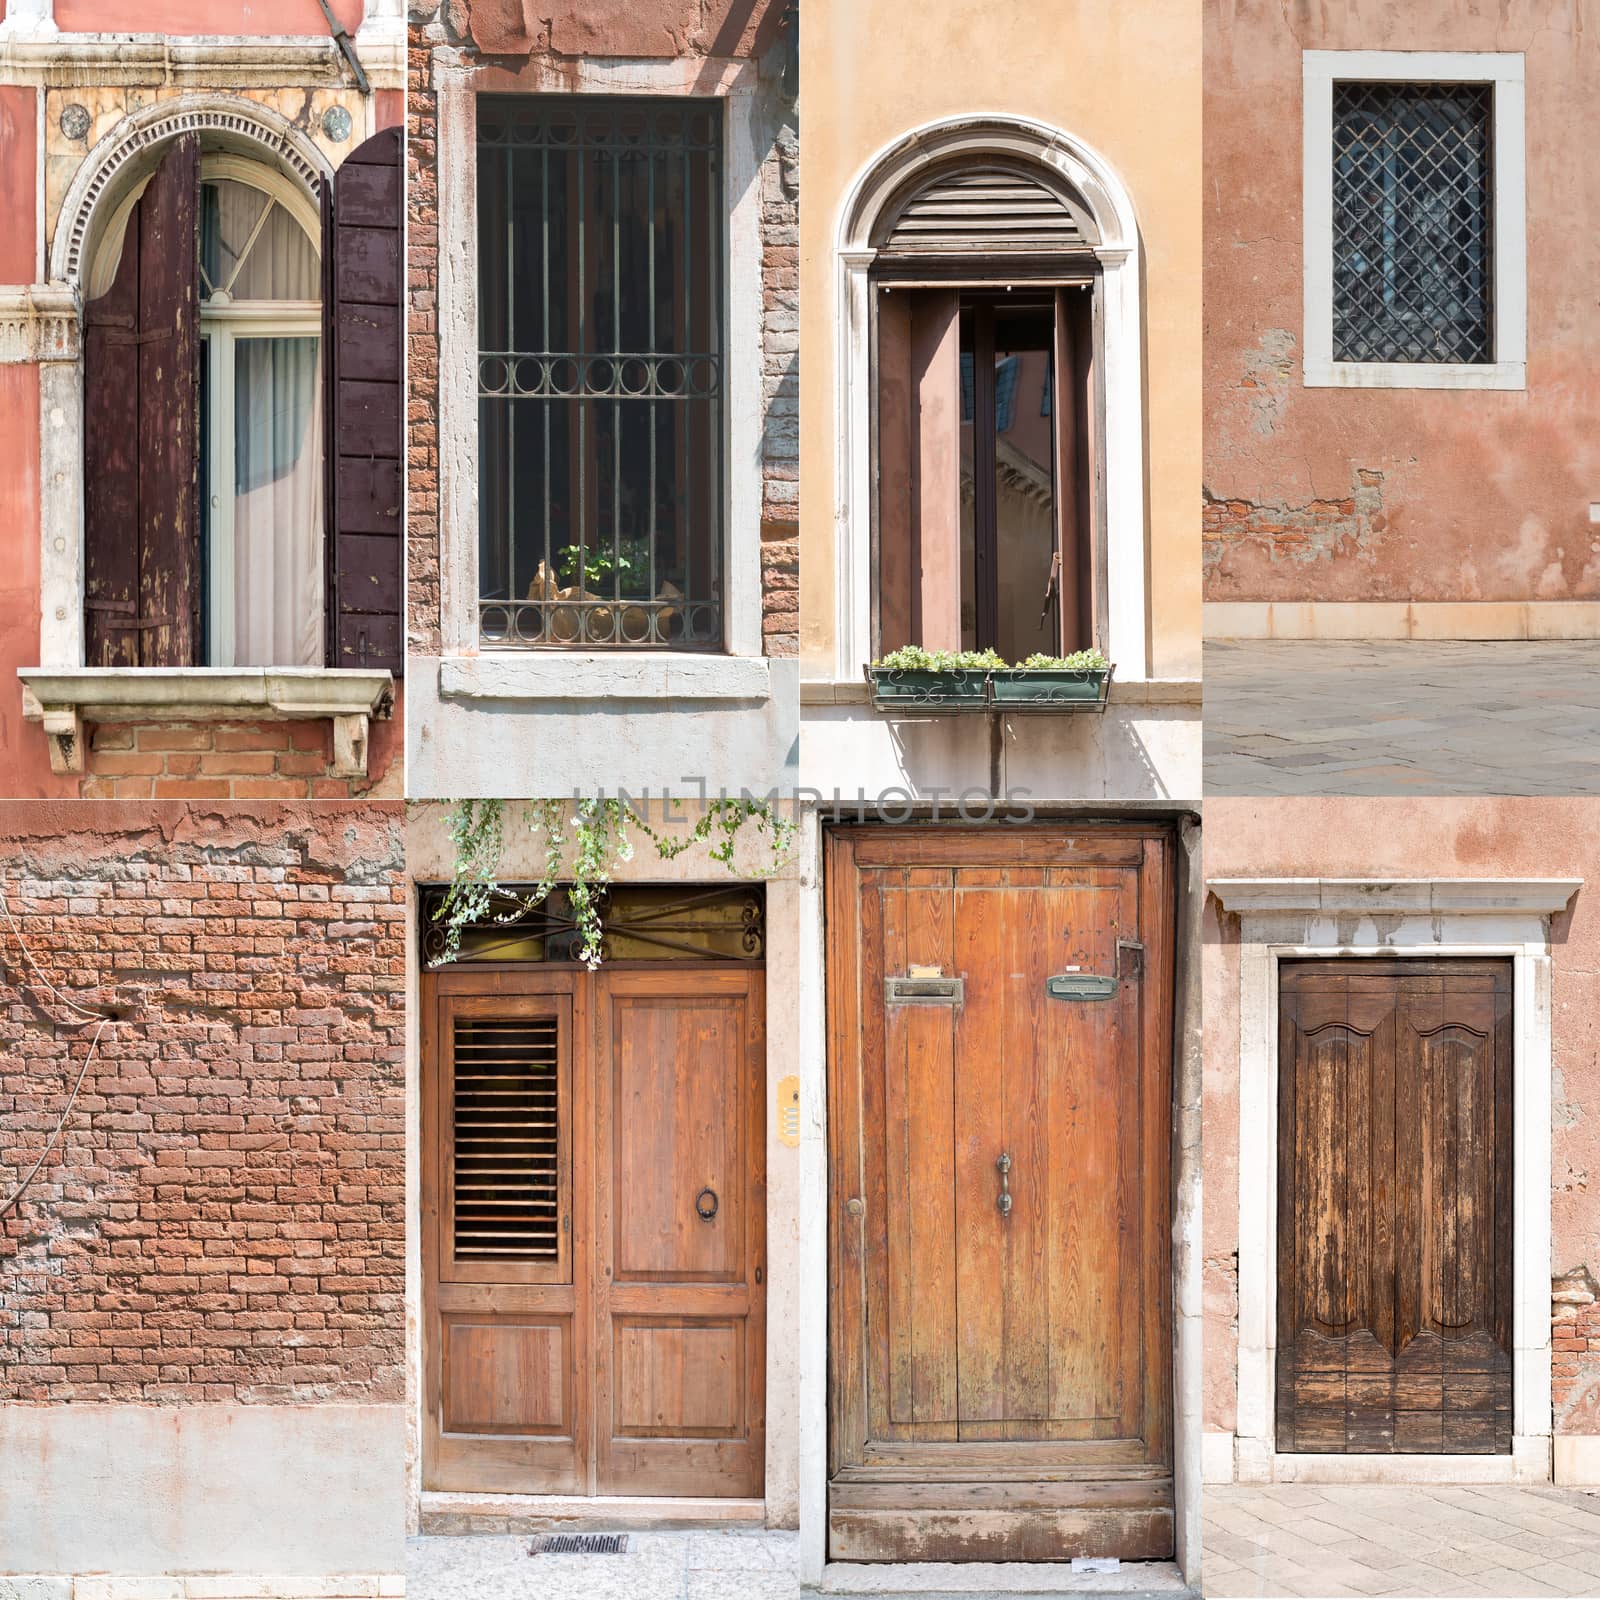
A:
[600,622]
[564,375]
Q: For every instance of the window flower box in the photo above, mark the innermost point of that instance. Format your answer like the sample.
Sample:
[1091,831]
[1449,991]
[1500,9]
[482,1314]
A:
[910,689]
[1051,688]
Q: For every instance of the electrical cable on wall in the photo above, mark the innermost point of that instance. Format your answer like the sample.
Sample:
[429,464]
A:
[103,1016]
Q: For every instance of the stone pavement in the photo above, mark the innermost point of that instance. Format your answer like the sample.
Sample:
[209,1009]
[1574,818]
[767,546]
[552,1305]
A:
[736,1565]
[1345,1539]
[1285,717]
[743,1565]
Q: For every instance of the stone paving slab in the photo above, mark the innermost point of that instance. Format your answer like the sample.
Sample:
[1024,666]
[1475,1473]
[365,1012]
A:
[1272,1540]
[740,1565]
[1305,717]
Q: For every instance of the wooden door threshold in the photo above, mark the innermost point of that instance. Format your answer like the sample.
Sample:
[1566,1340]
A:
[925,1579]
[444,1512]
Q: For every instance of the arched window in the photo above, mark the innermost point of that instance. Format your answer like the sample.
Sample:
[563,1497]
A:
[991,441]
[224,314]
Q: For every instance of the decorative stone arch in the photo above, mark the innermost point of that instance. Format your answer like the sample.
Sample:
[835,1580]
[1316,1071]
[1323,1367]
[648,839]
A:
[1066,164]
[130,151]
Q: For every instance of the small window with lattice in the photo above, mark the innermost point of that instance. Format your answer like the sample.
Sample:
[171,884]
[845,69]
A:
[1413,222]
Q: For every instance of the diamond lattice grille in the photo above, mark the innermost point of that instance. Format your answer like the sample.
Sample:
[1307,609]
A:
[1412,214]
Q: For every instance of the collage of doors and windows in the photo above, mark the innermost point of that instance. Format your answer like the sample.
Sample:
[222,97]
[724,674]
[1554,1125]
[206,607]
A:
[609,988]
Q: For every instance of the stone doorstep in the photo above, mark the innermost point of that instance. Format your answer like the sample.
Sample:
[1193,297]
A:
[448,1514]
[202,1586]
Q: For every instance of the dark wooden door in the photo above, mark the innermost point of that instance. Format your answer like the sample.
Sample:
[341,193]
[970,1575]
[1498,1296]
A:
[589,1331]
[1394,1206]
[1000,1042]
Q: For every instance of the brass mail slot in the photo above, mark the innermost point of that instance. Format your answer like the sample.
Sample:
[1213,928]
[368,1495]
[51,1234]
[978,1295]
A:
[923,991]
[1080,986]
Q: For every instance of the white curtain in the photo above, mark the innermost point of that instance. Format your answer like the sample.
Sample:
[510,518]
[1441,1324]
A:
[277,508]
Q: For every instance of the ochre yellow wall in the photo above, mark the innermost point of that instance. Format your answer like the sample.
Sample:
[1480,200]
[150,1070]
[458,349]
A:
[1124,79]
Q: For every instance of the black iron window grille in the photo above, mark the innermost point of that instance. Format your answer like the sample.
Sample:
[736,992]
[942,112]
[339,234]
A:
[1413,215]
[600,372]
[639,922]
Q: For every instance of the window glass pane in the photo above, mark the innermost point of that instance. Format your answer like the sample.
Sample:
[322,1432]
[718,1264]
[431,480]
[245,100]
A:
[1412,222]
[600,371]
[252,248]
[229,212]
[282,263]
[277,505]
[1019,494]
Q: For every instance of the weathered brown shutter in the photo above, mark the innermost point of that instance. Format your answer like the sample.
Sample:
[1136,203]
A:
[141,405]
[363,273]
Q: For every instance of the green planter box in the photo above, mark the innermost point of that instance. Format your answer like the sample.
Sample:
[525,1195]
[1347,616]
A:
[1051,688]
[895,689]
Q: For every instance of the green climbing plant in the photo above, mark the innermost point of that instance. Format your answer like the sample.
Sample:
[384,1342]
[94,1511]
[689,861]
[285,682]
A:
[600,839]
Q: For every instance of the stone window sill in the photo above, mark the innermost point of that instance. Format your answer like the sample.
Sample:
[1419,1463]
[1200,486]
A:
[625,675]
[64,698]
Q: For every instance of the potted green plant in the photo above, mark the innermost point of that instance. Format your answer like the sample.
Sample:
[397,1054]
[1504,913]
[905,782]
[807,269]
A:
[911,679]
[1082,678]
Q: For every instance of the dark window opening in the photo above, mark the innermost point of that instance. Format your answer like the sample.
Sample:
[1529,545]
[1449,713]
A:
[1413,222]
[600,372]
[985,478]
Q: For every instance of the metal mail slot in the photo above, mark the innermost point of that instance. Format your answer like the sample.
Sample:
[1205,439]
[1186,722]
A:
[1080,986]
[923,991]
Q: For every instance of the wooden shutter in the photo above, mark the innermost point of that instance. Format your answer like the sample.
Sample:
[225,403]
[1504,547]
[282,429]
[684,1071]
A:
[141,403]
[993,209]
[919,469]
[363,274]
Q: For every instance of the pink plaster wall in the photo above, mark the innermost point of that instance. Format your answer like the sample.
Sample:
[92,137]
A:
[1414,838]
[1478,496]
[19,146]
[202,16]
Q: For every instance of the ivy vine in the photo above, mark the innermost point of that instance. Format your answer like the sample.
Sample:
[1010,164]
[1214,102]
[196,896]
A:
[601,839]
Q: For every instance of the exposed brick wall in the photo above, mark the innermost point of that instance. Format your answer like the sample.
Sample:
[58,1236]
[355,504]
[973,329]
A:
[1316,531]
[223,1219]
[1575,1353]
[780,394]
[461,29]
[228,761]
[422,350]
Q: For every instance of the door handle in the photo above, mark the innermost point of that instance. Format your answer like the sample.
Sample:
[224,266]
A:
[702,1209]
[1003,1167]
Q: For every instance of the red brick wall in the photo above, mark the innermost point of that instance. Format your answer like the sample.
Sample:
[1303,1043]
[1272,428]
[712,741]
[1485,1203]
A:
[224,1216]
[234,761]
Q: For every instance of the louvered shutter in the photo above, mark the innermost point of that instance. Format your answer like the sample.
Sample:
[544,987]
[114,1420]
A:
[995,209]
[141,399]
[363,274]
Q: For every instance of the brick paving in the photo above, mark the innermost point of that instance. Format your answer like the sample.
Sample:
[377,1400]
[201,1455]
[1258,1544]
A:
[1346,1539]
[1425,718]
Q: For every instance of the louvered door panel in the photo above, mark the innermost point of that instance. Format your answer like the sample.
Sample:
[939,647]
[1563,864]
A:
[506,1155]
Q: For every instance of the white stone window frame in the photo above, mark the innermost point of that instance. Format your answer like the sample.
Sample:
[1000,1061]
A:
[978,136]
[1503,72]
[1286,918]
[470,670]
[62,692]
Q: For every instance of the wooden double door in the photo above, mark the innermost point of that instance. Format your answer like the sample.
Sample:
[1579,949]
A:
[594,1214]
[1000,1021]
[1394,1206]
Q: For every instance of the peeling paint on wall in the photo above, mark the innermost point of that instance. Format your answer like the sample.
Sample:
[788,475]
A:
[1308,533]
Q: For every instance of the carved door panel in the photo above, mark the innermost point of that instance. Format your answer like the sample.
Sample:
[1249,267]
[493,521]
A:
[1000,1194]
[1394,1207]
[594,1231]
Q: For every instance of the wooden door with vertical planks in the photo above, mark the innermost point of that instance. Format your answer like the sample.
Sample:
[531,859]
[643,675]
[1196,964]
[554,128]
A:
[1394,1206]
[594,1230]
[1001,1034]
